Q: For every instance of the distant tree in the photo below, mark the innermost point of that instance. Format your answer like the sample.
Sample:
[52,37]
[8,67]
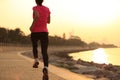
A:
[55,40]
[94,45]
[3,34]
[76,42]
[108,45]
[15,36]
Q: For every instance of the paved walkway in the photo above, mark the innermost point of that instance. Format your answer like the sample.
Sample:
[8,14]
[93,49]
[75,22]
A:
[14,66]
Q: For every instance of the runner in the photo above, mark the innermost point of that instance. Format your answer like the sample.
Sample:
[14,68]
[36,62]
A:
[39,31]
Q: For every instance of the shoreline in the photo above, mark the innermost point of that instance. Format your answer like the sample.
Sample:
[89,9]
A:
[59,57]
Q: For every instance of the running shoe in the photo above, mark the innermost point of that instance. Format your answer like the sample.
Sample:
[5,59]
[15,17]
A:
[35,65]
[45,74]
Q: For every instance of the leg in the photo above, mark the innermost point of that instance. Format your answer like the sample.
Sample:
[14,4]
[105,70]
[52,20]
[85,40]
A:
[44,47]
[34,45]
[35,51]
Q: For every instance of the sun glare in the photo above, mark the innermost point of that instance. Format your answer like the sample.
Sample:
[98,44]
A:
[99,56]
[95,12]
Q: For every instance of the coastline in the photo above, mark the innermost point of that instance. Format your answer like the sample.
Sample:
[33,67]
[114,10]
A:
[58,56]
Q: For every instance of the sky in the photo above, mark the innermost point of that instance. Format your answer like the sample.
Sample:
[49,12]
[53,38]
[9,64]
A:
[91,20]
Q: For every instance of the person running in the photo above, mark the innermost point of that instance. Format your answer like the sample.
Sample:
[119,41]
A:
[39,32]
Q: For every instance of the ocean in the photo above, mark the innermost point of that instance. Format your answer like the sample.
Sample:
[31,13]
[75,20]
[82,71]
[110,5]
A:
[100,55]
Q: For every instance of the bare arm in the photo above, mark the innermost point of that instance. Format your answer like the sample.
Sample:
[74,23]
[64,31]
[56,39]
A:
[36,15]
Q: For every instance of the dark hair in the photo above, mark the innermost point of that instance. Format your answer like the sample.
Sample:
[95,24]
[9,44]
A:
[39,2]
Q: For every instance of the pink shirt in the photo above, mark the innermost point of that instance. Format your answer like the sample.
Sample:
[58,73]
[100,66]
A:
[41,23]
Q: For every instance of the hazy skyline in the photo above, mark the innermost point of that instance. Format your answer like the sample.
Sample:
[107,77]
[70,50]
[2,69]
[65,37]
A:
[91,20]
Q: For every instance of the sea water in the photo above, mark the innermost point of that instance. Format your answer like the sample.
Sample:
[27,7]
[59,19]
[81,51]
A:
[100,55]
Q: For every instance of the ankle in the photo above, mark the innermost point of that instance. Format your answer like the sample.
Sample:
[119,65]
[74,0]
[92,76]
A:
[36,60]
[46,67]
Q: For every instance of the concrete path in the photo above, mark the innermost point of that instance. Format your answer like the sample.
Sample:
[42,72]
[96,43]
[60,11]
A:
[14,66]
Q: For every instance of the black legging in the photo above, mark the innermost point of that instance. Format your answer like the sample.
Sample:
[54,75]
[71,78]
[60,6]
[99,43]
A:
[43,37]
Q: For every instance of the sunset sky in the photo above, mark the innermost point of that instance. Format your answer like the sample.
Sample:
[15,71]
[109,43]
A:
[91,20]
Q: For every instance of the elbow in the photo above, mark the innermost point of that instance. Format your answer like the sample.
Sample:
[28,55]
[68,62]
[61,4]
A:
[48,22]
